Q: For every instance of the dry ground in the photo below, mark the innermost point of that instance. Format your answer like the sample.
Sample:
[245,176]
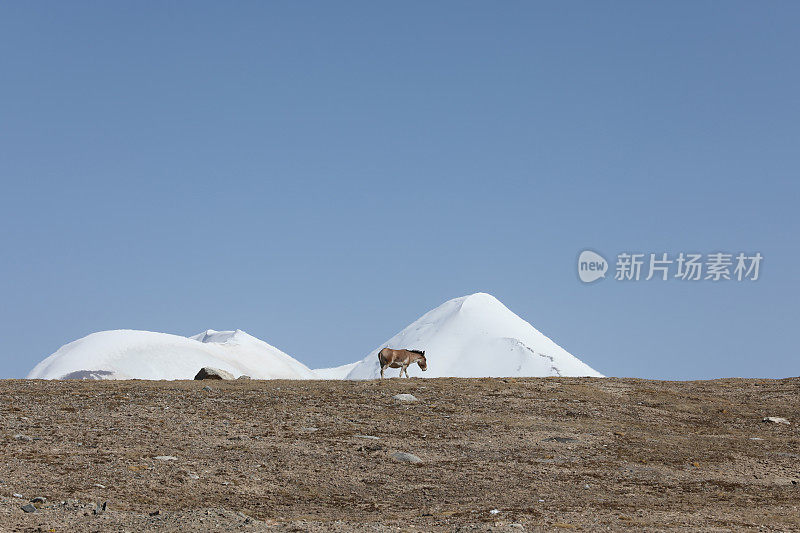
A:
[498,454]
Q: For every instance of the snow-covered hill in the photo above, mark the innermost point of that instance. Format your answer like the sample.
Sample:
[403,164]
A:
[471,336]
[477,336]
[130,354]
[336,372]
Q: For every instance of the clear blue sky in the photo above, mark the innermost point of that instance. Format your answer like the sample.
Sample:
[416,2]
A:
[320,174]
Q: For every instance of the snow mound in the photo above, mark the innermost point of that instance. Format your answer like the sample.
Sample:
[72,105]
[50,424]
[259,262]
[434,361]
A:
[336,372]
[131,354]
[476,336]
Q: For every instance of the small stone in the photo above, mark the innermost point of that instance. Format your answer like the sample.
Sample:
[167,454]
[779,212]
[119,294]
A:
[309,429]
[23,438]
[586,486]
[28,508]
[100,508]
[208,372]
[370,437]
[405,398]
[155,513]
[560,439]
[17,495]
[39,499]
[404,457]
[244,378]
[775,420]
[165,458]
[494,511]
[192,475]
[207,388]
[99,486]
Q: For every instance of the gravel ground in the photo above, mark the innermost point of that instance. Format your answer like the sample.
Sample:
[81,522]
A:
[495,455]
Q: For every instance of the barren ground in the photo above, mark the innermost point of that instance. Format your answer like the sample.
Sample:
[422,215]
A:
[498,454]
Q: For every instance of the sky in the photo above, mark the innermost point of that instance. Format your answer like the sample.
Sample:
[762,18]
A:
[321,174]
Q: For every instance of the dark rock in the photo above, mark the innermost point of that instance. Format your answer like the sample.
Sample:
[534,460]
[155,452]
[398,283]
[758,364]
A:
[208,372]
[28,508]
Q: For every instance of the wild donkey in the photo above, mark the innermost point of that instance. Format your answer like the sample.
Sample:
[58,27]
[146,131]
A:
[401,359]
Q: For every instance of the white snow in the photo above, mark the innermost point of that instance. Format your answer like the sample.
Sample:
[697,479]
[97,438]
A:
[471,336]
[476,336]
[336,372]
[131,354]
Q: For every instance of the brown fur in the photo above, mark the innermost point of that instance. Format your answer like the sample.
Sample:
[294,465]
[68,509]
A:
[401,359]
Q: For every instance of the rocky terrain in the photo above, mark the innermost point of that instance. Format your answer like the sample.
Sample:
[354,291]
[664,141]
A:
[524,454]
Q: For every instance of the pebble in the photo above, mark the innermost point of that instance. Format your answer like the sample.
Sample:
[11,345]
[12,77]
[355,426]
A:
[23,438]
[494,511]
[207,388]
[165,458]
[559,439]
[405,457]
[775,420]
[309,429]
[371,437]
[39,499]
[405,398]
[28,508]
[17,495]
[99,486]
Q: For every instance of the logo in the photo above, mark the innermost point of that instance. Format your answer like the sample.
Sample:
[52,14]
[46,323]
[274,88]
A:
[591,266]
[665,266]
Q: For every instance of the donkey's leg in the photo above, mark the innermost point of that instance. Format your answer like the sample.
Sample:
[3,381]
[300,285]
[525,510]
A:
[382,367]
[401,370]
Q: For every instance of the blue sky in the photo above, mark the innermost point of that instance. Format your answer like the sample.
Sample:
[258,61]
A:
[321,174]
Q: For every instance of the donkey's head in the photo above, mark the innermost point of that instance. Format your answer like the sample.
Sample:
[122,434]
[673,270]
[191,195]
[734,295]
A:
[422,362]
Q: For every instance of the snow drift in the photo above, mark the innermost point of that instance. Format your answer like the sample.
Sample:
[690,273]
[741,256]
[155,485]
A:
[336,372]
[471,336]
[130,354]
[476,336]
